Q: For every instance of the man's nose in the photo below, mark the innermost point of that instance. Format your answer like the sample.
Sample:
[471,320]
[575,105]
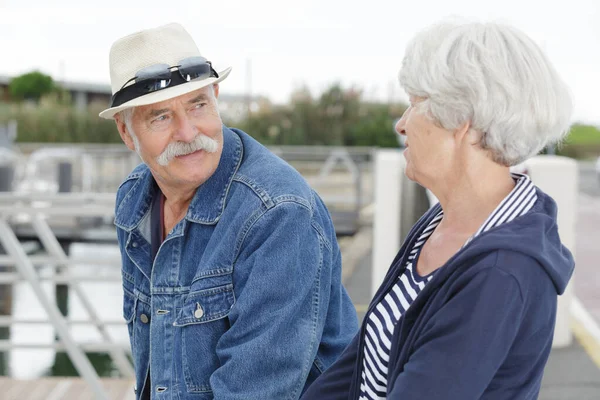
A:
[186,130]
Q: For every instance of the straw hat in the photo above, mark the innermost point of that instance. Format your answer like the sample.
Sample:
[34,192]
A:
[167,44]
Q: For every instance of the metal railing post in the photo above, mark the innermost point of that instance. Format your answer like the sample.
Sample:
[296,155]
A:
[65,184]
[6,291]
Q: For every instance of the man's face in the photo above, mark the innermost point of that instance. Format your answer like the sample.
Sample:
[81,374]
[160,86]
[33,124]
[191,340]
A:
[181,139]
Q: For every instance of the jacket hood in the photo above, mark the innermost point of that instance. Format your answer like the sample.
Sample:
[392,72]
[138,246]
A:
[534,234]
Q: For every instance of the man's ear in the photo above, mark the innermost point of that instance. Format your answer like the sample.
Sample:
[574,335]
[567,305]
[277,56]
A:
[124,132]
[216,90]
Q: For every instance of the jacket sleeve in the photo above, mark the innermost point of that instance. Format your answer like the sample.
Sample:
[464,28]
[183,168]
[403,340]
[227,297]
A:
[334,383]
[465,342]
[277,320]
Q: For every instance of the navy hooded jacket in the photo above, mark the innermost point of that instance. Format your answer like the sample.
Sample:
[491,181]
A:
[482,328]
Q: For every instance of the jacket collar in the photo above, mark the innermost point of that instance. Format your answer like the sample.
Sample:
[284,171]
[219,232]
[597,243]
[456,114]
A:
[208,202]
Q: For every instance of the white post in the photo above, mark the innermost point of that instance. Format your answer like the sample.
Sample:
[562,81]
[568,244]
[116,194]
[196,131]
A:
[389,168]
[558,177]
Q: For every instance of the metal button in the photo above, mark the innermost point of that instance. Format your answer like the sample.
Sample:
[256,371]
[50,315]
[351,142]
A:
[144,318]
[199,311]
[134,244]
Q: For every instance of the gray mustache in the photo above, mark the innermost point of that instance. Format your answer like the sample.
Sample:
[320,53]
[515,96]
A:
[201,142]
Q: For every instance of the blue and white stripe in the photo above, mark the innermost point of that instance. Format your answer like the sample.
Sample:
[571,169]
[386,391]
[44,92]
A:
[382,321]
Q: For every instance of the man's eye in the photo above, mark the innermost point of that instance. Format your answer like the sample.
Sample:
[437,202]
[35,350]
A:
[200,105]
[160,118]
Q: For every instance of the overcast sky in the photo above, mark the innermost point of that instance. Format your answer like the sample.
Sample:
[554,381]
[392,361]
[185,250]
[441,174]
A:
[287,44]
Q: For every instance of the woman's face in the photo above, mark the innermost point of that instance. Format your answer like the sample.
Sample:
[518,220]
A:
[429,148]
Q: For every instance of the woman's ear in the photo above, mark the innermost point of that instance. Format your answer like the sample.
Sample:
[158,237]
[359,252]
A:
[475,137]
[464,133]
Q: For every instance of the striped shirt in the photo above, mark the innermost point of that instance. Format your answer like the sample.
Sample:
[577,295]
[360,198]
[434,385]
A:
[381,322]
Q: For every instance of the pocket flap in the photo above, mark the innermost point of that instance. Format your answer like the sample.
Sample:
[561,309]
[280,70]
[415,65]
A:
[129,305]
[206,305]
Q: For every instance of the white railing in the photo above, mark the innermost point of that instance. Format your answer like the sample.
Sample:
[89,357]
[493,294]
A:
[16,210]
[101,168]
[338,174]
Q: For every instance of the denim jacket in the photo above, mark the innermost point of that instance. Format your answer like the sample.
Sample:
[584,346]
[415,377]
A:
[244,299]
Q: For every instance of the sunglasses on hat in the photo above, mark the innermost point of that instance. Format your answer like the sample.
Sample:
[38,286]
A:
[161,76]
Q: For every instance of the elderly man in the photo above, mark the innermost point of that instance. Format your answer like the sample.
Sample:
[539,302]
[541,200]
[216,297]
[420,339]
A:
[231,269]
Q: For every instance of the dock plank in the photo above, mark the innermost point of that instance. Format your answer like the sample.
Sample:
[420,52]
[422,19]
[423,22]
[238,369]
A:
[62,389]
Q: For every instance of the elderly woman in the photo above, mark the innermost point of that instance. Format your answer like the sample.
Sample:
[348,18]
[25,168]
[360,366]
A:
[468,307]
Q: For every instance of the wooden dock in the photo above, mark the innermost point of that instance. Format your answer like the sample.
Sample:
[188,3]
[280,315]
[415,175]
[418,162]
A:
[62,389]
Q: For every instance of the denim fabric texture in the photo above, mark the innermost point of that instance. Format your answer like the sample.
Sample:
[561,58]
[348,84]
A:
[244,299]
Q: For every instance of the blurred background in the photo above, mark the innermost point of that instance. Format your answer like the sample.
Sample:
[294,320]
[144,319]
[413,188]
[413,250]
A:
[316,82]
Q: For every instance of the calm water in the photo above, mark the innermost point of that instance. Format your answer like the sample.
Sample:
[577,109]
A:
[106,298]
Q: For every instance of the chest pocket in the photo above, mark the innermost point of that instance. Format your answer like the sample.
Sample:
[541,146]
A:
[206,305]
[202,321]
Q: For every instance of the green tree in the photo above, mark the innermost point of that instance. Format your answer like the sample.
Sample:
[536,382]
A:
[304,123]
[338,116]
[31,86]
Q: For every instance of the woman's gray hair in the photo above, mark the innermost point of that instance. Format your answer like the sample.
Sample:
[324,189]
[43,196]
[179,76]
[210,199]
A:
[495,77]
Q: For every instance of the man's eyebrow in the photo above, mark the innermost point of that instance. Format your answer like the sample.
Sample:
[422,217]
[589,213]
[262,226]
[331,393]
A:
[200,97]
[156,113]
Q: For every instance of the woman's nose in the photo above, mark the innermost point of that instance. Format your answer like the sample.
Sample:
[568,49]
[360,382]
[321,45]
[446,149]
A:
[400,125]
